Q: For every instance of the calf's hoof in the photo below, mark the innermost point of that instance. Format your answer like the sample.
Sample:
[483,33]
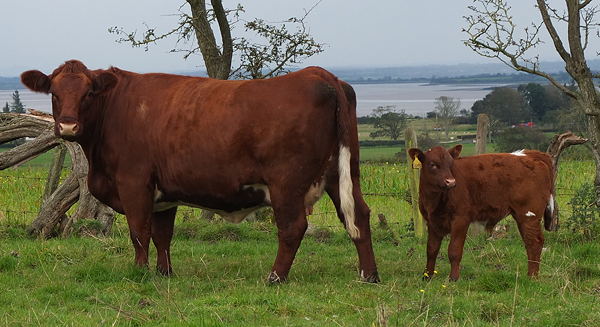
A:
[372,278]
[276,279]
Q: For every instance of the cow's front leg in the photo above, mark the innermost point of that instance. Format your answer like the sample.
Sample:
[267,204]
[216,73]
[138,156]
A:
[291,226]
[137,204]
[434,241]
[458,234]
[162,233]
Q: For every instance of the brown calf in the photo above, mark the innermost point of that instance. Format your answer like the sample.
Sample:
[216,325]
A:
[156,141]
[455,192]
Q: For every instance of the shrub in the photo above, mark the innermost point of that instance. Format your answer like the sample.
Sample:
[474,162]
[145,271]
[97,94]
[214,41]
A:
[585,217]
[517,138]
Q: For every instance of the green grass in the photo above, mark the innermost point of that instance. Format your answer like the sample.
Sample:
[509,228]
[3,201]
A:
[221,270]
[86,281]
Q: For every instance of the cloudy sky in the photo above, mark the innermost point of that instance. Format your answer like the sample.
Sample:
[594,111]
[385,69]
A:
[42,34]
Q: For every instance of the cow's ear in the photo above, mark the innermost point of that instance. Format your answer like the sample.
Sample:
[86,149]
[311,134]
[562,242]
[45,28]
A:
[455,151]
[104,82]
[416,153]
[36,81]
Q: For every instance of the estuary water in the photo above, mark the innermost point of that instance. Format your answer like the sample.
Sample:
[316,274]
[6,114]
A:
[414,98]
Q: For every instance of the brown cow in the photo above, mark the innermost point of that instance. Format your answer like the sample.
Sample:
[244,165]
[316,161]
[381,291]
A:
[156,141]
[455,192]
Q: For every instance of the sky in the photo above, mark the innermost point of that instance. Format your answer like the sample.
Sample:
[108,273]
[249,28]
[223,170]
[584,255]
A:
[40,34]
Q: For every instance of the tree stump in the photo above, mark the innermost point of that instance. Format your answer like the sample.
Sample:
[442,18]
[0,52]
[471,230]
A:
[52,219]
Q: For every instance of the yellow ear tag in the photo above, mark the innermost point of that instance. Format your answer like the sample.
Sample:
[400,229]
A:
[417,163]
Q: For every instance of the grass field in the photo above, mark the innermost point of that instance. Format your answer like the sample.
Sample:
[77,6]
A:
[221,270]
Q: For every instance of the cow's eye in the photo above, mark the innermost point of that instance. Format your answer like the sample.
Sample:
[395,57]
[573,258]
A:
[90,94]
[433,166]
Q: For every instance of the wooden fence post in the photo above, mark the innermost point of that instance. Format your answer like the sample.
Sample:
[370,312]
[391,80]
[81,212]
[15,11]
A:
[410,138]
[483,123]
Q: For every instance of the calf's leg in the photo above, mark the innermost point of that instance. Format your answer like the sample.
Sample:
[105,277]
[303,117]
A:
[533,237]
[434,240]
[458,234]
[162,233]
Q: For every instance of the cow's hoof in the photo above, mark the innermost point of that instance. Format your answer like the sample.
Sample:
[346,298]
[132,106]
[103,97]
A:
[275,279]
[453,279]
[372,278]
[168,272]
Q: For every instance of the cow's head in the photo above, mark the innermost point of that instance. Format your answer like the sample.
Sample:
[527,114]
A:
[436,165]
[74,90]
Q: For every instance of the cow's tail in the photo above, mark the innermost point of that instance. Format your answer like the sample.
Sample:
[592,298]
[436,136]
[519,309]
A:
[344,128]
[549,224]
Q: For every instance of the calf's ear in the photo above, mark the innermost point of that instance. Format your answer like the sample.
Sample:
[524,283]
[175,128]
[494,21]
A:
[36,81]
[416,153]
[455,151]
[104,82]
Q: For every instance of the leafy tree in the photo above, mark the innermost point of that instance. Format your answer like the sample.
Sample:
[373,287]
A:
[279,46]
[16,105]
[512,139]
[389,122]
[543,98]
[503,103]
[492,33]
[446,109]
[6,108]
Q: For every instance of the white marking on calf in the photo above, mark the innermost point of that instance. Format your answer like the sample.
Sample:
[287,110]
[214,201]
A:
[530,214]
[520,153]
[346,198]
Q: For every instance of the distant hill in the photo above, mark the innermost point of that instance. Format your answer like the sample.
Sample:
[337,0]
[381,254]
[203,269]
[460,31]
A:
[10,83]
[434,74]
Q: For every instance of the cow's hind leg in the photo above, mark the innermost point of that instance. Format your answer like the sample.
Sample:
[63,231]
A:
[291,223]
[533,237]
[162,233]
[364,247]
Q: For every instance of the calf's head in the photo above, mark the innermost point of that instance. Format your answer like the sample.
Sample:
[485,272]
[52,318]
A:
[436,165]
[74,90]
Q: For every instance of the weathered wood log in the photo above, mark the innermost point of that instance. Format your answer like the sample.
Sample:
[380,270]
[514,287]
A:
[54,172]
[558,144]
[58,199]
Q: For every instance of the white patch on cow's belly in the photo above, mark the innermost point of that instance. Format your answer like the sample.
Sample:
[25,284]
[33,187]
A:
[261,187]
[520,153]
[530,214]
[235,217]
[232,217]
[314,193]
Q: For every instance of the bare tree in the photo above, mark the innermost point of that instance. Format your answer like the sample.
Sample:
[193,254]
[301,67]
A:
[277,46]
[446,109]
[492,33]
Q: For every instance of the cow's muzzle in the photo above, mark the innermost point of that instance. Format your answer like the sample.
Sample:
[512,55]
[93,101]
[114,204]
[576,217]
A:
[68,129]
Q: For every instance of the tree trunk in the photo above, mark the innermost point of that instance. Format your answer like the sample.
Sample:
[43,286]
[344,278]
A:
[58,199]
